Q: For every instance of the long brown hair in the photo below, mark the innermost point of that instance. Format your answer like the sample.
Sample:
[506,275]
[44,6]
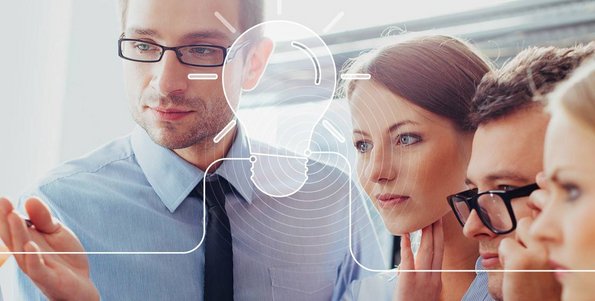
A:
[438,73]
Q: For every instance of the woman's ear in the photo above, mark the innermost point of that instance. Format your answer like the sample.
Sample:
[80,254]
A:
[256,63]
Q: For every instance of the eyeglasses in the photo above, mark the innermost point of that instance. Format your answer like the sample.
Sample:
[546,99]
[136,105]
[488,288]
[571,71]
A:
[493,207]
[192,55]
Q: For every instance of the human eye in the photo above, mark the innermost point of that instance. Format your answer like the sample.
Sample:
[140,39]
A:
[572,191]
[506,187]
[145,47]
[202,51]
[363,146]
[408,139]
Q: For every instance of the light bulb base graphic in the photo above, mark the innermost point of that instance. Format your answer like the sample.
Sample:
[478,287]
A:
[290,174]
[274,73]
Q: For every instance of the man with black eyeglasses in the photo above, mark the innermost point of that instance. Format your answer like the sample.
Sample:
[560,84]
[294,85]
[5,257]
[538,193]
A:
[178,221]
[506,157]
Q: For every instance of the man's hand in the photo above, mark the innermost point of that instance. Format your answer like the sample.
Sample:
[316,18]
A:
[425,286]
[58,276]
[525,253]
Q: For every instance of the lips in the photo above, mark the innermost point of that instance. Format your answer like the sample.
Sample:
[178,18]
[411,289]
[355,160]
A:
[170,114]
[388,200]
[490,260]
[560,270]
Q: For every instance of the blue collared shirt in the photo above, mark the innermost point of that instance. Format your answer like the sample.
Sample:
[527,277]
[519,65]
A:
[478,290]
[133,195]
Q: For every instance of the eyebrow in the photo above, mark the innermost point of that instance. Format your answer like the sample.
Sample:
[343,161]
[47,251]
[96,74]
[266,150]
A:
[555,175]
[399,124]
[500,175]
[144,32]
[506,175]
[391,129]
[363,133]
[205,34]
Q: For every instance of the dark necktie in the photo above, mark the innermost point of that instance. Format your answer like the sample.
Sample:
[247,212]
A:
[218,251]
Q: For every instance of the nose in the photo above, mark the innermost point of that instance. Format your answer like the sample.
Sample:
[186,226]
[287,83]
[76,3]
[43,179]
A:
[170,75]
[474,228]
[381,169]
[546,227]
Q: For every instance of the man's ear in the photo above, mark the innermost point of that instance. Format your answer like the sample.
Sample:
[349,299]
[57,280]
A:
[256,63]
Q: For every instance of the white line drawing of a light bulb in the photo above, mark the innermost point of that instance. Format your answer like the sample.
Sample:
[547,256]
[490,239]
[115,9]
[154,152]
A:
[308,75]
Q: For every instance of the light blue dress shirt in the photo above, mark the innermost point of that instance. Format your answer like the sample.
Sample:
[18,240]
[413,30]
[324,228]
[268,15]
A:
[132,195]
[478,290]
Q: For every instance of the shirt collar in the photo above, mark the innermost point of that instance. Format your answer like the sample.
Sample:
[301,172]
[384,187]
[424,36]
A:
[478,267]
[173,178]
[237,168]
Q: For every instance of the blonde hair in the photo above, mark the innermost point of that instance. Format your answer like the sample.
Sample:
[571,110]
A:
[576,96]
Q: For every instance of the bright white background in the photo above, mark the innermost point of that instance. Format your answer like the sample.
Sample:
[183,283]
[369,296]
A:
[62,91]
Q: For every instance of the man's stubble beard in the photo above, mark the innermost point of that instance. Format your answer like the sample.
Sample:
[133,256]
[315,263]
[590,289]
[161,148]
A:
[208,120]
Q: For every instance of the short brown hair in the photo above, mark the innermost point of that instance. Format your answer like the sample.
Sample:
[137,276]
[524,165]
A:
[522,82]
[251,13]
[438,73]
[577,95]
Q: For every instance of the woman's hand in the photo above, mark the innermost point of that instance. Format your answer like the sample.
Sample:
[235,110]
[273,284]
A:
[427,285]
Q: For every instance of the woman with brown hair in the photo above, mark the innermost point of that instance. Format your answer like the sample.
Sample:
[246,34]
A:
[413,141]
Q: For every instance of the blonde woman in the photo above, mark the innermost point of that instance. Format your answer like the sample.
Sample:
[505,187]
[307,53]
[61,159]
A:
[567,223]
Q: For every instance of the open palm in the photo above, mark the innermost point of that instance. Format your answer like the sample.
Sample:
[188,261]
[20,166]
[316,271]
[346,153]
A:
[58,276]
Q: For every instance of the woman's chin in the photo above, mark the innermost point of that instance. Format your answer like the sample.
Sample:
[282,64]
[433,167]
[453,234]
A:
[407,224]
[400,228]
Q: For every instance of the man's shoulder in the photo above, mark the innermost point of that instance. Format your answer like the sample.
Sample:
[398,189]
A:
[116,154]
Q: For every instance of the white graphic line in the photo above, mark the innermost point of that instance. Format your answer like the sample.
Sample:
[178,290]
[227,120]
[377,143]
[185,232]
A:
[224,131]
[279,7]
[333,130]
[203,76]
[317,77]
[333,22]
[225,22]
[351,76]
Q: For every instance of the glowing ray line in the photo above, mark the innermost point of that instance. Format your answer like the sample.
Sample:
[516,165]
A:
[225,22]
[333,22]
[333,130]
[224,131]
[352,76]
[203,76]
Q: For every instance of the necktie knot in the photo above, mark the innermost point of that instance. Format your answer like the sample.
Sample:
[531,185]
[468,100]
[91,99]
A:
[215,188]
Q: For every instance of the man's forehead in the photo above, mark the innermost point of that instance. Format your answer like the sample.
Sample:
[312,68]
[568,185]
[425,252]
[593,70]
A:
[183,18]
[214,34]
[505,153]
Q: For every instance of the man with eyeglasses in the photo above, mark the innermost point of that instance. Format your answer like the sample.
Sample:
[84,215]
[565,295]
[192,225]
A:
[506,157]
[144,192]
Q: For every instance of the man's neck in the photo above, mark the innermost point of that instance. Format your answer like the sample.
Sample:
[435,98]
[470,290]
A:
[204,154]
[460,253]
